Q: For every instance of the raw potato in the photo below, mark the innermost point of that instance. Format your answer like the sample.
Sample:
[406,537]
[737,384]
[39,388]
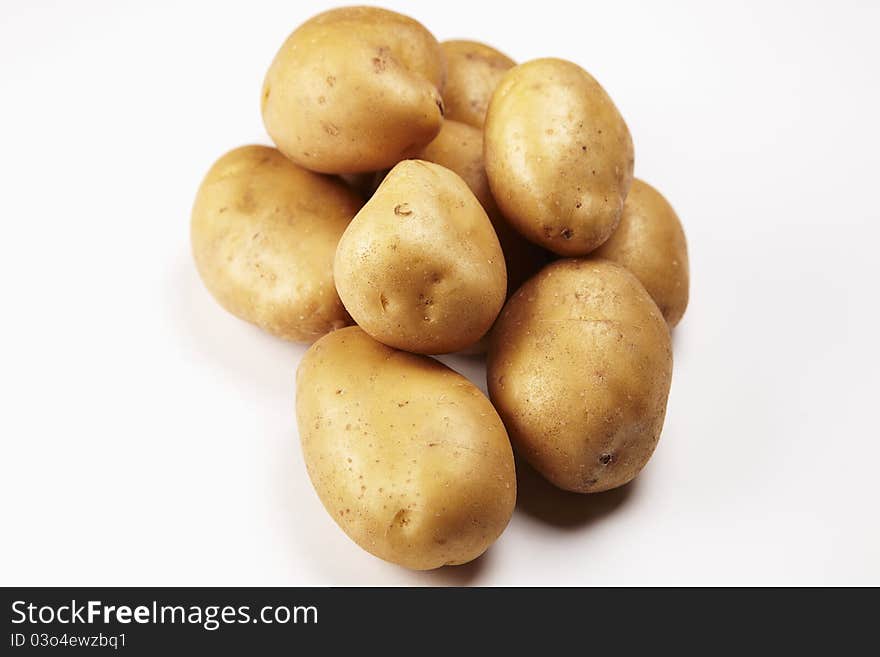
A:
[408,457]
[420,268]
[650,243]
[353,90]
[579,369]
[264,232]
[473,71]
[459,148]
[558,155]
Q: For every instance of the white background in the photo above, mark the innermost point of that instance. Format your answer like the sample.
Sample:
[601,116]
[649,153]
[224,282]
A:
[149,438]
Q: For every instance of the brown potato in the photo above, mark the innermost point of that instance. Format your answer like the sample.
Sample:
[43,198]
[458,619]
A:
[473,71]
[353,90]
[459,148]
[650,243]
[579,368]
[407,456]
[420,267]
[264,233]
[558,155]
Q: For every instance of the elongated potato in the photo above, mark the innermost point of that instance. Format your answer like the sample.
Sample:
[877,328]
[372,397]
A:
[407,456]
[353,90]
[459,148]
[558,155]
[579,368]
[420,267]
[264,232]
[473,71]
[650,242]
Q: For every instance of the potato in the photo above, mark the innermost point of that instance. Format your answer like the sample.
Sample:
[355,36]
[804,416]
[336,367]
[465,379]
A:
[650,243]
[473,71]
[264,233]
[459,148]
[407,456]
[558,155]
[353,90]
[579,368]
[420,268]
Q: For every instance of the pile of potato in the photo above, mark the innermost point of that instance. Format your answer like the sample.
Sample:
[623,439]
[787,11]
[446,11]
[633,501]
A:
[428,198]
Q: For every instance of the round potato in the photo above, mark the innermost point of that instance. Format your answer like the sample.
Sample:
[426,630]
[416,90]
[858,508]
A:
[579,368]
[353,90]
[407,456]
[459,148]
[650,243]
[264,232]
[473,70]
[558,155]
[420,267]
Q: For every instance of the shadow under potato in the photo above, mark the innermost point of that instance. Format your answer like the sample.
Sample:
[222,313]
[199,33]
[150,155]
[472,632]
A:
[464,575]
[537,497]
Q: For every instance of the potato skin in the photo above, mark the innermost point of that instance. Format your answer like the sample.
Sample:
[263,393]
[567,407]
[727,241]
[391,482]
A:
[473,71]
[264,234]
[408,457]
[559,156]
[420,267]
[650,242]
[579,368]
[353,90]
[459,148]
